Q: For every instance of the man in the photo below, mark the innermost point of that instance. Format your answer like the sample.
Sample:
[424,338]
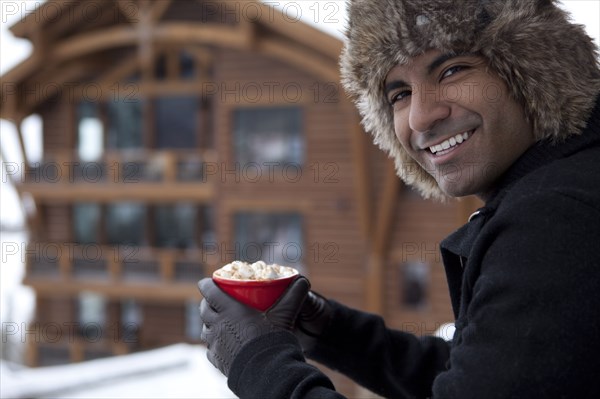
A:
[496,98]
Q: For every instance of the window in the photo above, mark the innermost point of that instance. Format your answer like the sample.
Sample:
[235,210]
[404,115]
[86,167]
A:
[176,225]
[160,67]
[415,276]
[89,267]
[90,132]
[188,270]
[271,237]
[92,315]
[269,135]
[140,270]
[176,121]
[186,65]
[41,265]
[193,323]
[183,66]
[125,123]
[131,320]
[126,223]
[86,223]
[208,223]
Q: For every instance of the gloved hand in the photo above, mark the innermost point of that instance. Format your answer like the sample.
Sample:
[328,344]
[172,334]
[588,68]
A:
[312,321]
[229,324]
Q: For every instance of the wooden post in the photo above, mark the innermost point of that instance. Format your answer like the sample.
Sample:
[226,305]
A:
[361,178]
[382,232]
[65,264]
[167,265]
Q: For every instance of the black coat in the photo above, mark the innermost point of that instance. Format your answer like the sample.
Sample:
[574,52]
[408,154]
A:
[524,280]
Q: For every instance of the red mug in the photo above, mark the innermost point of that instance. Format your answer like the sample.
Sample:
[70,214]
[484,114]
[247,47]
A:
[259,294]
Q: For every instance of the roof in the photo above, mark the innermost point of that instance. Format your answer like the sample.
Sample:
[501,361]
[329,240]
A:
[63,31]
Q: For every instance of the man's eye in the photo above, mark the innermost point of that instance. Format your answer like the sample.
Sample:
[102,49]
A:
[452,70]
[399,96]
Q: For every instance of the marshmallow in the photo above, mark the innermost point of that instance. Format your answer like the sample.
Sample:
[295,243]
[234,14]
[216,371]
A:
[238,270]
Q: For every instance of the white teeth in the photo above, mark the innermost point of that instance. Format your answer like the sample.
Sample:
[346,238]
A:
[451,142]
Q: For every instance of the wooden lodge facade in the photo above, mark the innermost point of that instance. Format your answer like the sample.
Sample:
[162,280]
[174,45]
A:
[182,135]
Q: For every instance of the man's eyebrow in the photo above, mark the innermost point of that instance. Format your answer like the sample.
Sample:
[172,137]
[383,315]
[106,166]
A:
[440,60]
[395,84]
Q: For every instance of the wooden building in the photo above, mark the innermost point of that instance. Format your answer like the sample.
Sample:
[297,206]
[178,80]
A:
[181,135]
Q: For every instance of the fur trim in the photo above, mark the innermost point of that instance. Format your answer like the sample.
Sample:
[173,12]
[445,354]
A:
[549,64]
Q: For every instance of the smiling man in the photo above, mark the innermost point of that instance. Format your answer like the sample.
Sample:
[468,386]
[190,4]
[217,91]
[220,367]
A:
[457,119]
[496,98]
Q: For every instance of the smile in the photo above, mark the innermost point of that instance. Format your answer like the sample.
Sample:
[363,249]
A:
[448,145]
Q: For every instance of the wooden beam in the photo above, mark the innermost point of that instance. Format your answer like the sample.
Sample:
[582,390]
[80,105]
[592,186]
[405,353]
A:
[120,71]
[296,204]
[382,233]
[385,215]
[172,63]
[87,43]
[21,139]
[169,33]
[159,291]
[159,8]
[47,12]
[12,80]
[79,13]
[361,177]
[99,192]
[52,81]
[208,34]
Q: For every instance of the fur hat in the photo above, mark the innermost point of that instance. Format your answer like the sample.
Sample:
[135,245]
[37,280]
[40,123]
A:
[549,64]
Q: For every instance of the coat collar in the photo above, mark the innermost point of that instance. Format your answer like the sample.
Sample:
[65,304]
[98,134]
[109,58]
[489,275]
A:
[456,248]
[540,154]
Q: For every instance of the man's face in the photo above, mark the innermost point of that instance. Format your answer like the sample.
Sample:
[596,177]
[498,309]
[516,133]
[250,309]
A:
[457,120]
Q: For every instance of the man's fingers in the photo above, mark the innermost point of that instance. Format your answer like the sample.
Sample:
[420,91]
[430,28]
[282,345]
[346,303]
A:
[296,293]
[207,313]
[217,299]
[299,287]
[207,335]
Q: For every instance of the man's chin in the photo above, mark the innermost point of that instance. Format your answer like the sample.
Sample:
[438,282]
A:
[457,189]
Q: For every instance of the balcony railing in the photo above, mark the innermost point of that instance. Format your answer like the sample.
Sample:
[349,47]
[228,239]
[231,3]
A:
[107,265]
[122,167]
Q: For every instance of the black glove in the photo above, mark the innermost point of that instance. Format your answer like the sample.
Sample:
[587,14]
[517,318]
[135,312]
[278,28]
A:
[313,319]
[229,324]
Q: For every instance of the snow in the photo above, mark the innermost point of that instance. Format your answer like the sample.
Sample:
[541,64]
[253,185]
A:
[176,371]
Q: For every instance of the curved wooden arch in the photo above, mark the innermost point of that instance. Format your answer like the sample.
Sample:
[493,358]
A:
[243,37]
[189,33]
[84,44]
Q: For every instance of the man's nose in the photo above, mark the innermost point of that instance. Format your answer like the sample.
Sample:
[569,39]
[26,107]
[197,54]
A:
[427,108]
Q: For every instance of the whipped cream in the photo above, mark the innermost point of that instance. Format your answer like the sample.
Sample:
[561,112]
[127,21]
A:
[238,270]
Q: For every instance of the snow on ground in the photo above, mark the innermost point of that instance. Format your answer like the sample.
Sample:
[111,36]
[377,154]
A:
[176,371]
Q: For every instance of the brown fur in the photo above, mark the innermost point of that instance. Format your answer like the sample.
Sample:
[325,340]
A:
[549,64]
